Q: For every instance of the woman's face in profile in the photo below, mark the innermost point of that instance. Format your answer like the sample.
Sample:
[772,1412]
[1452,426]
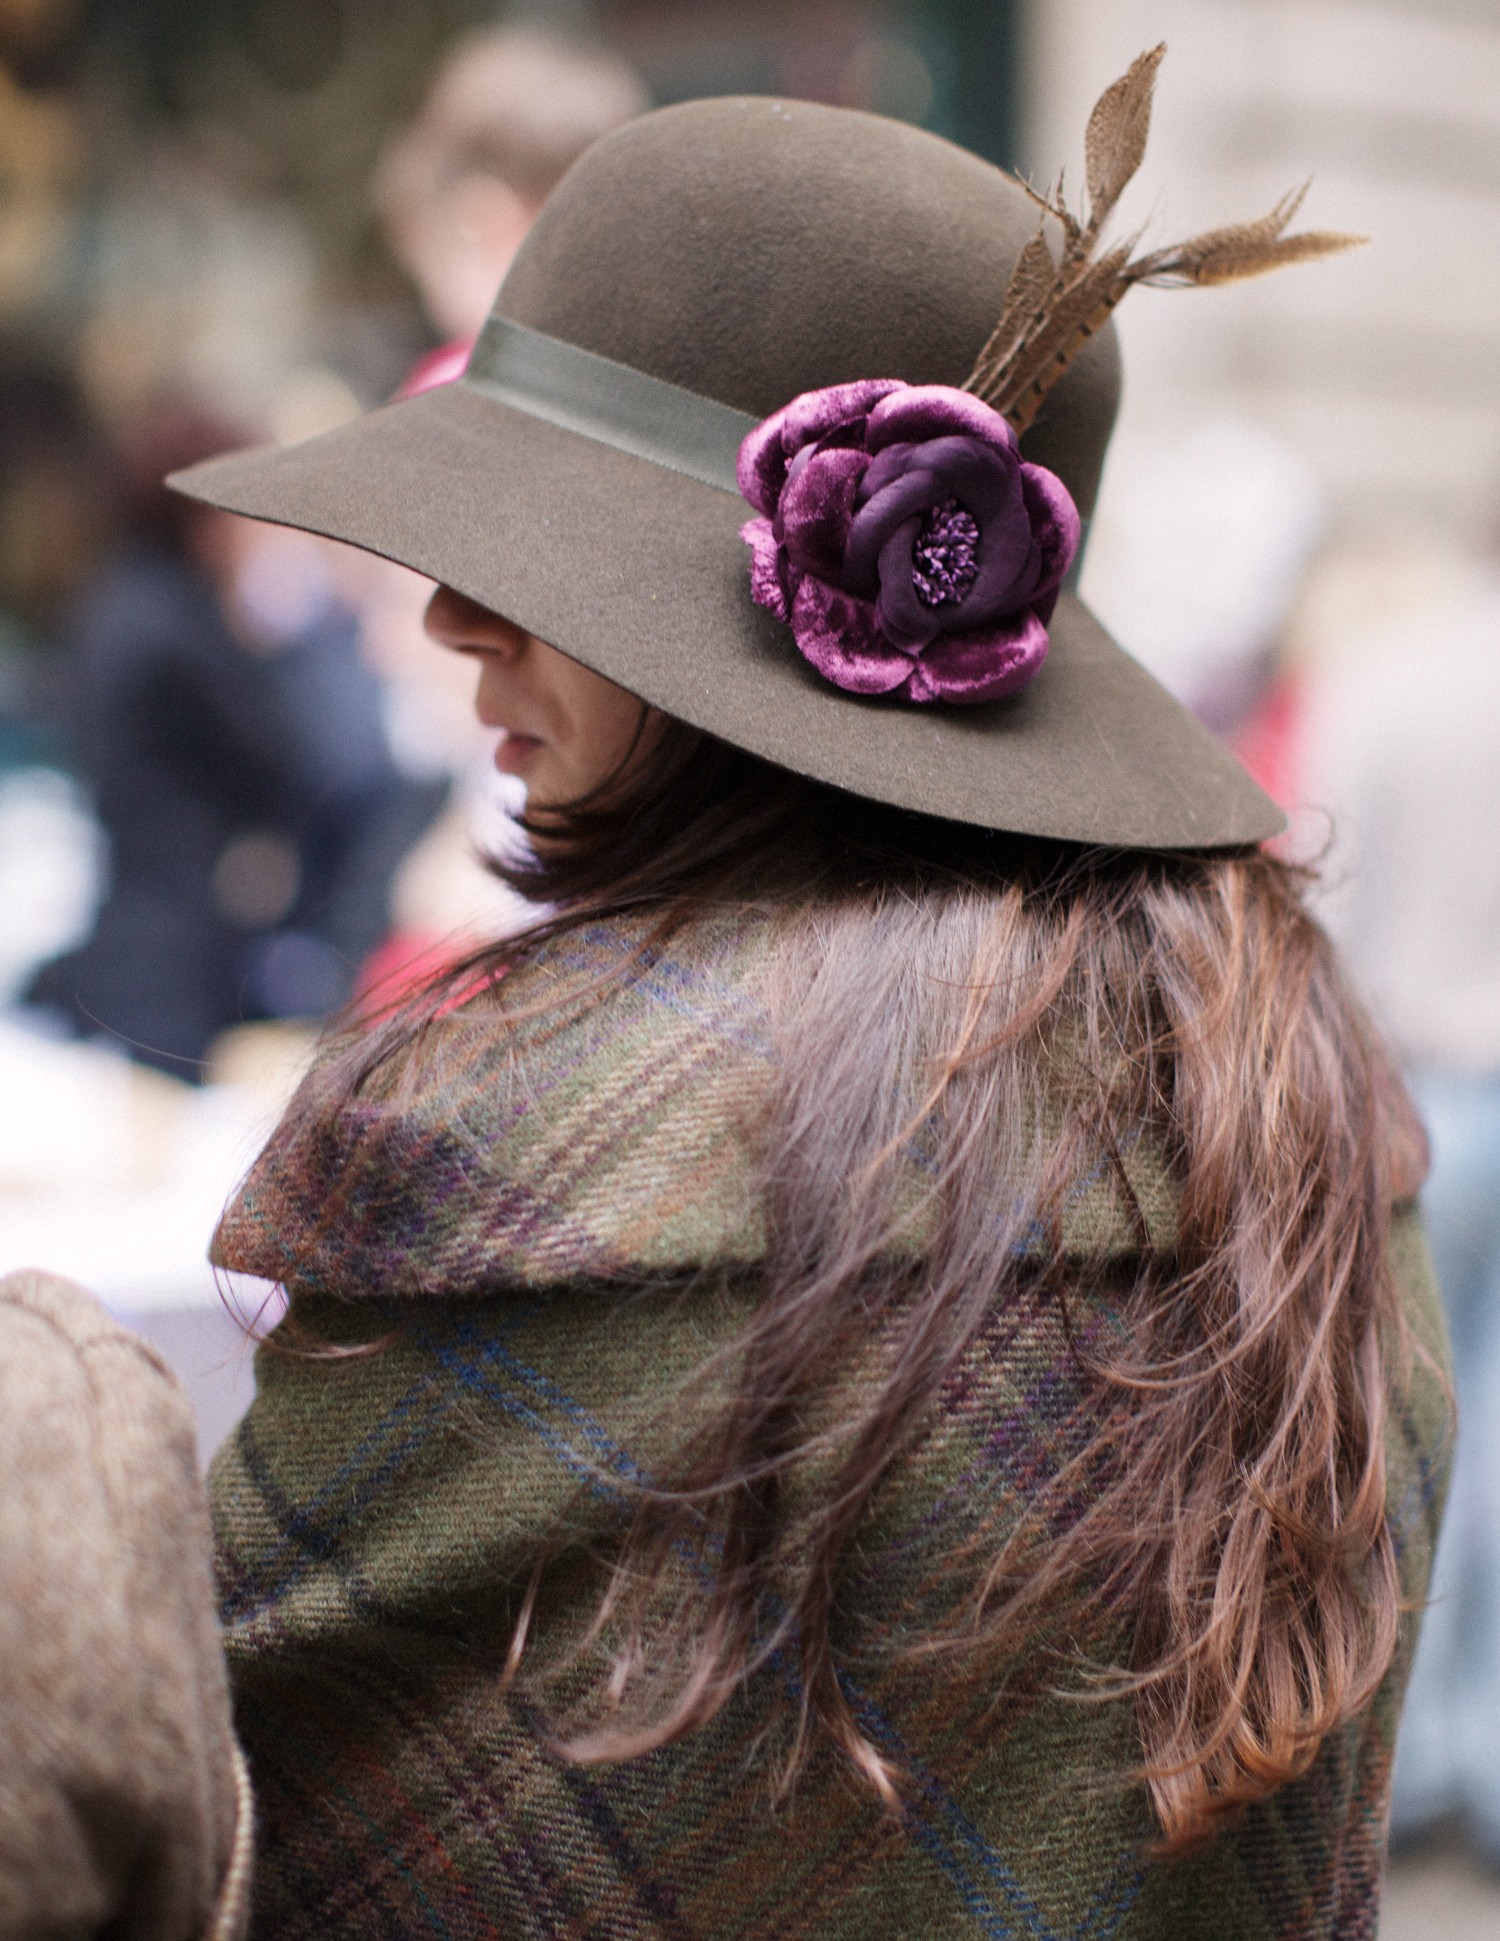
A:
[567,730]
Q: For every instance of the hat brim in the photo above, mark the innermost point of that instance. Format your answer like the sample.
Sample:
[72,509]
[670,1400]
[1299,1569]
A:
[639,572]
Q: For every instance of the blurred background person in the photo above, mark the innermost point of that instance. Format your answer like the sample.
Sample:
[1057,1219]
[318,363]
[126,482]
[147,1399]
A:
[56,508]
[232,741]
[511,110]
[1398,647]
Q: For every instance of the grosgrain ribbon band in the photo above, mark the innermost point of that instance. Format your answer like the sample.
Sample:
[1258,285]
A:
[613,404]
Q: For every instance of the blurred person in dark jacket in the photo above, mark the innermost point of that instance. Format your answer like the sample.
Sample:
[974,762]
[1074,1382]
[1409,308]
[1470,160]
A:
[233,740]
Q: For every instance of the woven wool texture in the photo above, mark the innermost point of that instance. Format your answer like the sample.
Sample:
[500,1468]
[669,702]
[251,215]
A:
[123,1805]
[555,1231]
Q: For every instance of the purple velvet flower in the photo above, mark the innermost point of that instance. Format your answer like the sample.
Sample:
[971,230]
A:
[905,541]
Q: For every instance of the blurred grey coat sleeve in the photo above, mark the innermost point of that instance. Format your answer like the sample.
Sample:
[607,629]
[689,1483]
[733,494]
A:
[124,1806]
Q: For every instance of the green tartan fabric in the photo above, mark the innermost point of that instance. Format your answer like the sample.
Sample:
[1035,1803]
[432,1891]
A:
[555,1231]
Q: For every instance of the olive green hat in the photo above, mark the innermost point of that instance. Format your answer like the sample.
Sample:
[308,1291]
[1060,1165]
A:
[695,273]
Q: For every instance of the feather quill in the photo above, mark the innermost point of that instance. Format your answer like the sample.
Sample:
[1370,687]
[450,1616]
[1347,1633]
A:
[1053,306]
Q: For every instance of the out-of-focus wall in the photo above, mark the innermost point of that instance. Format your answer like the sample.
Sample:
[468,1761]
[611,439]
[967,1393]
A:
[1381,368]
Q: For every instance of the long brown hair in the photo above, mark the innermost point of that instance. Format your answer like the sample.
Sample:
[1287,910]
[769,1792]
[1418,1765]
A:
[1028,1010]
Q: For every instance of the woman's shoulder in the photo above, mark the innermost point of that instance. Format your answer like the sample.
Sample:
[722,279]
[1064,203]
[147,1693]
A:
[590,1116]
[598,1113]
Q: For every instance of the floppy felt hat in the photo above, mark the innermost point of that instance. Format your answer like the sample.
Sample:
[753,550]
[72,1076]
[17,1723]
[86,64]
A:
[695,273]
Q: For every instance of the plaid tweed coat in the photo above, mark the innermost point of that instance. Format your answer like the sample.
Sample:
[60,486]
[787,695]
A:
[554,1225]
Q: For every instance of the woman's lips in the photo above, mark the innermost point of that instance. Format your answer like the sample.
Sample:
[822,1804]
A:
[515,751]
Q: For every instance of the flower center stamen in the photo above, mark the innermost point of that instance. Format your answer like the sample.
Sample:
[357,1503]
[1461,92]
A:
[945,558]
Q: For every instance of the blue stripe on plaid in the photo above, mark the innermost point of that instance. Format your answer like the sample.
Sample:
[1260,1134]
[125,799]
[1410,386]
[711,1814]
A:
[306,1539]
[653,1894]
[958,1851]
[309,1539]
[675,984]
[593,1474]
[1120,1890]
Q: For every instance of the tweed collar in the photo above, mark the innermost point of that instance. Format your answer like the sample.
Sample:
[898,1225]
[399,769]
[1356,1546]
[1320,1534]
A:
[612,1137]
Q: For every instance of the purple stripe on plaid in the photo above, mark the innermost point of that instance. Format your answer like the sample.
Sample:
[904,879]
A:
[946,1834]
[432,1921]
[461,1191]
[552,1898]
[472,1786]
[447,1171]
[995,1462]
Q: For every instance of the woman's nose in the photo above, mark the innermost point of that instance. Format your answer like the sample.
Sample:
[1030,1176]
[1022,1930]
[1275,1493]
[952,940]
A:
[454,620]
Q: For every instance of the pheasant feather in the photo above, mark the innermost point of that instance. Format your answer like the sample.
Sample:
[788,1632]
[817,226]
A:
[1052,307]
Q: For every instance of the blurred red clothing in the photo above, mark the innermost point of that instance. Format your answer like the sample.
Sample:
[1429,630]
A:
[439,366]
[1269,742]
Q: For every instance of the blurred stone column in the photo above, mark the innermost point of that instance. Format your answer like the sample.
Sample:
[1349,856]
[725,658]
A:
[1382,368]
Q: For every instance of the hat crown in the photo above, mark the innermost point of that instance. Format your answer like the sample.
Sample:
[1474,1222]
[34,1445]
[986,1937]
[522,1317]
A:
[751,249]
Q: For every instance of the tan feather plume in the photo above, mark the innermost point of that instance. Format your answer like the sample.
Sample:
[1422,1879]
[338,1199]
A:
[1053,307]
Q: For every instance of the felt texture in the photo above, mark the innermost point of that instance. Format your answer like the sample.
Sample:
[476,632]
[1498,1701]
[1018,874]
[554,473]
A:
[641,574]
[752,250]
[124,1805]
[556,1230]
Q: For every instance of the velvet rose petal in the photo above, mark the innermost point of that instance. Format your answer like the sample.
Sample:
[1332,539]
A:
[838,635]
[766,589]
[760,469]
[965,669]
[764,452]
[815,413]
[885,468]
[979,477]
[984,482]
[1007,574]
[1055,521]
[904,619]
[923,411]
[816,507]
[848,477]
[911,495]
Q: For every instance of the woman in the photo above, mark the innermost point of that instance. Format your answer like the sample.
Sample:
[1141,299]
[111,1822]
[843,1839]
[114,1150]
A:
[873,1372]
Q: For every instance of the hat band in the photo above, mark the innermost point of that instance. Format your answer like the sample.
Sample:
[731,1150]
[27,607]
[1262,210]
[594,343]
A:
[614,404]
